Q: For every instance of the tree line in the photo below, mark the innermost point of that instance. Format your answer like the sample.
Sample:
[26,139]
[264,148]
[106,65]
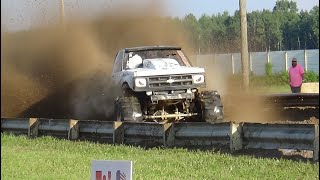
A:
[282,28]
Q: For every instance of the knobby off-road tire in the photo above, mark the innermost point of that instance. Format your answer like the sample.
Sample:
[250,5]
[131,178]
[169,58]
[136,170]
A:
[128,109]
[212,107]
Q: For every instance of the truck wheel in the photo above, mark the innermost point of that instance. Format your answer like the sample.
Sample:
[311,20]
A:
[128,109]
[212,107]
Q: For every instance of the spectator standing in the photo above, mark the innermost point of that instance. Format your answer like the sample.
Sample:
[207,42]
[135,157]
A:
[296,75]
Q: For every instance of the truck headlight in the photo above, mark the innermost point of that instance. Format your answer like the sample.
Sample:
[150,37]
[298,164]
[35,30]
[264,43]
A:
[198,78]
[140,82]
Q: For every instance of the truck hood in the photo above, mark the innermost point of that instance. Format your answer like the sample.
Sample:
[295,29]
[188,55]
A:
[181,70]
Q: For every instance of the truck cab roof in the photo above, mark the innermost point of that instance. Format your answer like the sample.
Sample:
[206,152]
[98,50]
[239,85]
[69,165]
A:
[146,48]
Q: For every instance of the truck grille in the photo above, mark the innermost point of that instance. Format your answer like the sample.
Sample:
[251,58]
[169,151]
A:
[169,81]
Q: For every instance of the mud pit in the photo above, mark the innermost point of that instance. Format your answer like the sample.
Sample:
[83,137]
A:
[64,71]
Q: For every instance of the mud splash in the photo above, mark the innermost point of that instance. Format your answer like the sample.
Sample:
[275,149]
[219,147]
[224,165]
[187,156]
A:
[64,71]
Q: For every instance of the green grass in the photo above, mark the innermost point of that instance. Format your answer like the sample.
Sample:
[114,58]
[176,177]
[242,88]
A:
[50,158]
[274,89]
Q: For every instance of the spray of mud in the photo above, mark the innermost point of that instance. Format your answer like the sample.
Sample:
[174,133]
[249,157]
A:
[249,106]
[240,105]
[64,71]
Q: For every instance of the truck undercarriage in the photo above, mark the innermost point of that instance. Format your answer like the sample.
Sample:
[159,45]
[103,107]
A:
[195,106]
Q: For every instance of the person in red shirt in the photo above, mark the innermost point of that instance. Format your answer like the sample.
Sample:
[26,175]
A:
[296,73]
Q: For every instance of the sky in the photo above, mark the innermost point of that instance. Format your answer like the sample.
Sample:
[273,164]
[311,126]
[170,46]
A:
[24,14]
[199,7]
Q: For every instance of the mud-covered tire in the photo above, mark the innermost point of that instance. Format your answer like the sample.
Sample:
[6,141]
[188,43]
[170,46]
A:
[212,108]
[127,108]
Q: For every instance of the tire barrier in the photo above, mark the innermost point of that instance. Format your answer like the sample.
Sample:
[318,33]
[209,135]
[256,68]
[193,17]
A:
[235,135]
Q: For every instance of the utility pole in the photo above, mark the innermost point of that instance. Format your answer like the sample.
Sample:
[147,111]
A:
[244,44]
[62,11]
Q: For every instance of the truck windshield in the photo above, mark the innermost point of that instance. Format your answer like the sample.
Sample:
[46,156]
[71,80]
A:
[153,54]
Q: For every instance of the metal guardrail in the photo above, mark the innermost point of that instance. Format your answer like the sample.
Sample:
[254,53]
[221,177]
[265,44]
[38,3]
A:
[199,134]
[236,135]
[278,136]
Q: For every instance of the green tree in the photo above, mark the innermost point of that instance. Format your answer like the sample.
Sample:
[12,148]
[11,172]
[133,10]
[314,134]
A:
[206,26]
[283,28]
[287,12]
[305,29]
[233,32]
[314,13]
[272,31]
[191,23]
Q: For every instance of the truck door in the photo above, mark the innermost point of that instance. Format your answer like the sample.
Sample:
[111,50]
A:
[117,68]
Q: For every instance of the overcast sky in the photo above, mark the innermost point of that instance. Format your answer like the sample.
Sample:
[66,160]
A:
[23,14]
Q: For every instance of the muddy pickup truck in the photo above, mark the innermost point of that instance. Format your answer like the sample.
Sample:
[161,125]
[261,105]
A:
[158,83]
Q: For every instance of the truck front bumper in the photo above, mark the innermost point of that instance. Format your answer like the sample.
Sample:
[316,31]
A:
[159,97]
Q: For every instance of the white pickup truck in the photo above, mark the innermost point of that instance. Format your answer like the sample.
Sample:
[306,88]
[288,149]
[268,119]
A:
[159,84]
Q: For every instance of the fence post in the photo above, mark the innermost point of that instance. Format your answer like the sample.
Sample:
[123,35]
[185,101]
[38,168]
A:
[268,57]
[305,60]
[33,127]
[250,61]
[316,143]
[235,134]
[197,60]
[118,132]
[168,134]
[73,129]
[232,63]
[286,60]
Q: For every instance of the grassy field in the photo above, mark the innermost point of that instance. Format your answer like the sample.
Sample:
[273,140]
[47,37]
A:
[50,158]
[279,89]
[274,89]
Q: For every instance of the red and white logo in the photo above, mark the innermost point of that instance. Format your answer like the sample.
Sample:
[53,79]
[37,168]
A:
[111,170]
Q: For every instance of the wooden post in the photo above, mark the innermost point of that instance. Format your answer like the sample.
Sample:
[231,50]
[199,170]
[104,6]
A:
[73,132]
[286,60]
[118,133]
[316,143]
[305,60]
[232,63]
[168,134]
[33,127]
[235,134]
[244,44]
